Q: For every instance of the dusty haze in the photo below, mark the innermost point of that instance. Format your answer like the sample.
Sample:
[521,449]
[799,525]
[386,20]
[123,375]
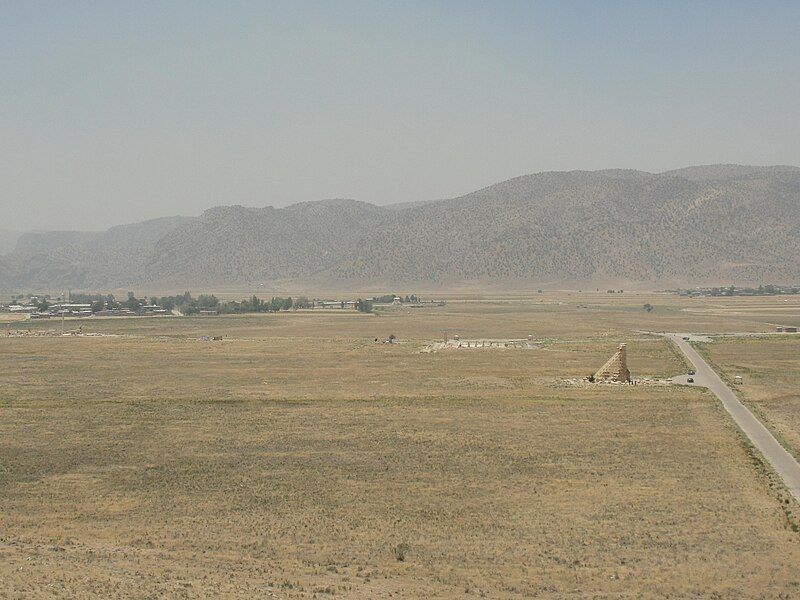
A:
[117,114]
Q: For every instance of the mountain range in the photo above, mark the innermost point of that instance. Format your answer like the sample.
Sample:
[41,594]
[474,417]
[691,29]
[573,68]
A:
[714,224]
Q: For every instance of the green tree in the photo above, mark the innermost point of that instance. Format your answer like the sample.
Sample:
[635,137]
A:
[207,301]
[363,306]
[132,303]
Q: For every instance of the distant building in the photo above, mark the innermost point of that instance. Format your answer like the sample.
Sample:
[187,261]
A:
[154,309]
[116,312]
[336,304]
[71,306]
[22,308]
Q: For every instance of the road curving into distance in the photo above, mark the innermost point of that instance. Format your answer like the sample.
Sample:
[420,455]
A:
[784,463]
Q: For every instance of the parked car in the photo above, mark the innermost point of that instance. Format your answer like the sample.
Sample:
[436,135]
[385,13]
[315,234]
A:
[691,373]
[690,380]
[686,338]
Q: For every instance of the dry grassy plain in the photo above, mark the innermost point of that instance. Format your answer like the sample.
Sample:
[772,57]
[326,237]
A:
[293,458]
[6,318]
[770,370]
[775,310]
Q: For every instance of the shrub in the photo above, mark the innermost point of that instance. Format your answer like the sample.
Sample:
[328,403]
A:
[401,550]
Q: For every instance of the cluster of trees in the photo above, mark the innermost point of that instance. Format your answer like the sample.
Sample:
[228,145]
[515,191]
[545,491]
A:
[108,301]
[98,301]
[257,305]
[761,290]
[188,305]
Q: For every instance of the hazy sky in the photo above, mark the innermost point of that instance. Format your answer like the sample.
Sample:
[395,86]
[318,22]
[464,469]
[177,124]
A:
[119,112]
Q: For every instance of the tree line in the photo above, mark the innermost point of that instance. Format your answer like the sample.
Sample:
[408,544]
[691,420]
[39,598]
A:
[191,305]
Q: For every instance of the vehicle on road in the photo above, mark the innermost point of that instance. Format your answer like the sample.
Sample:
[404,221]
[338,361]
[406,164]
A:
[690,380]
[692,373]
[686,338]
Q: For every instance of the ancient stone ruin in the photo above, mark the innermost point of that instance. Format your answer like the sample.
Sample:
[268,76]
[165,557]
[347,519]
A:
[616,369]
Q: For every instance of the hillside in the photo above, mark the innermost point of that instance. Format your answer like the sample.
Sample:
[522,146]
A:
[82,259]
[612,225]
[706,224]
[238,244]
[8,240]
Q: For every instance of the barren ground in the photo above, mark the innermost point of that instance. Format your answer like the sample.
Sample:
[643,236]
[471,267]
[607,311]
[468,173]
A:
[770,371]
[297,458]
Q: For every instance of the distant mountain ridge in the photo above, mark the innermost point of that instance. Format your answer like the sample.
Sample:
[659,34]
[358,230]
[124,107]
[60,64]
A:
[238,244]
[84,259]
[702,224]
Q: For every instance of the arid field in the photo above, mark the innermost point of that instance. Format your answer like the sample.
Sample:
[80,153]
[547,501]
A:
[298,458]
[770,371]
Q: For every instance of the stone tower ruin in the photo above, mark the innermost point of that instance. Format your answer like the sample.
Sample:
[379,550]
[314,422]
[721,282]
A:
[616,369]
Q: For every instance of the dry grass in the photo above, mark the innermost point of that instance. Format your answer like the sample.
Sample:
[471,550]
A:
[292,459]
[11,318]
[774,310]
[770,369]
[85,369]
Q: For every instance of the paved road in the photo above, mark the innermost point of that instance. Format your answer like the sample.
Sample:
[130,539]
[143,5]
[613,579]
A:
[783,462]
